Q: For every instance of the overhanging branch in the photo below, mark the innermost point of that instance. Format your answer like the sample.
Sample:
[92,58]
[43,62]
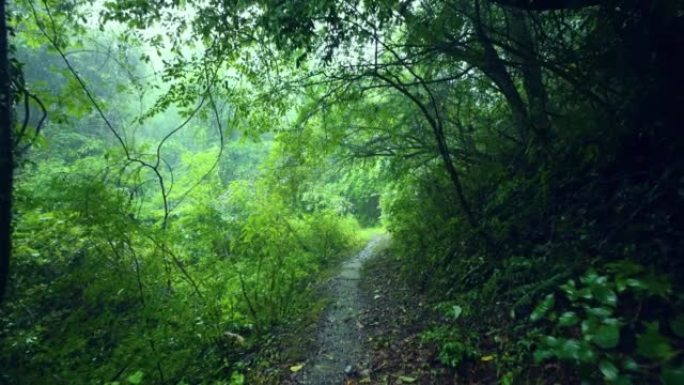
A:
[547,5]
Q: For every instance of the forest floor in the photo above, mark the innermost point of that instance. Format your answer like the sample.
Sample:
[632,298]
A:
[370,330]
[394,318]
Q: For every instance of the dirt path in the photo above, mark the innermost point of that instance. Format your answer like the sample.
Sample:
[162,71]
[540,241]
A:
[340,348]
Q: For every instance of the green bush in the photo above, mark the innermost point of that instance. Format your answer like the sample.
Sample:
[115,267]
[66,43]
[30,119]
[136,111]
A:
[623,326]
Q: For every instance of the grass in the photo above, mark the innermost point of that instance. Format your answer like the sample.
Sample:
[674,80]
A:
[367,233]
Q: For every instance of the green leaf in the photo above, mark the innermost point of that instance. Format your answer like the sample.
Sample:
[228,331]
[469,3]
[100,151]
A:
[609,370]
[607,336]
[585,293]
[135,378]
[600,312]
[543,308]
[623,380]
[569,318]
[456,312]
[586,352]
[589,325]
[635,283]
[237,378]
[542,355]
[569,350]
[654,345]
[605,295]
[677,325]
[551,341]
[570,290]
[590,277]
[673,376]
[407,379]
[624,268]
[657,285]
[630,364]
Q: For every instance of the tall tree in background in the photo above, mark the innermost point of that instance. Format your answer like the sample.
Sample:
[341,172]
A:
[6,165]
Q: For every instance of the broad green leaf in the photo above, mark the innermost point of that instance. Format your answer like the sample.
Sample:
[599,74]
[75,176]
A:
[635,283]
[569,350]
[585,293]
[653,345]
[671,376]
[135,378]
[630,364]
[586,352]
[237,378]
[624,268]
[609,370]
[589,325]
[551,341]
[677,325]
[541,355]
[569,318]
[658,285]
[607,336]
[605,295]
[600,312]
[590,277]
[570,290]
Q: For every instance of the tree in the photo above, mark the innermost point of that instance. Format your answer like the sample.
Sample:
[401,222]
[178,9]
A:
[6,156]
[548,5]
[522,141]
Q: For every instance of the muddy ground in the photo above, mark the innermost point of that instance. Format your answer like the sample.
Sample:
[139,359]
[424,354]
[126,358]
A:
[339,352]
[368,332]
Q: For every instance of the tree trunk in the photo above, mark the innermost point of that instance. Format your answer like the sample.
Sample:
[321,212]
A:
[6,161]
[492,66]
[533,83]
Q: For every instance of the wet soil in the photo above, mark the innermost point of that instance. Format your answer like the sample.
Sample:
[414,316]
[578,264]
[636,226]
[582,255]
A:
[339,353]
[370,331]
[394,318]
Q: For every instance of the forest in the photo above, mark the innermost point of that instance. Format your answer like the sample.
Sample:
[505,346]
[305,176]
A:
[235,192]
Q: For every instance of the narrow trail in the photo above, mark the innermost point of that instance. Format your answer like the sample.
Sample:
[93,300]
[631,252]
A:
[339,344]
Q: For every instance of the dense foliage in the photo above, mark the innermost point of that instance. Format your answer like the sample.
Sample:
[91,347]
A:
[164,252]
[203,162]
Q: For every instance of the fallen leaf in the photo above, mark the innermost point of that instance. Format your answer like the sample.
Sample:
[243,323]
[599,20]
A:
[296,368]
[487,358]
[407,379]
